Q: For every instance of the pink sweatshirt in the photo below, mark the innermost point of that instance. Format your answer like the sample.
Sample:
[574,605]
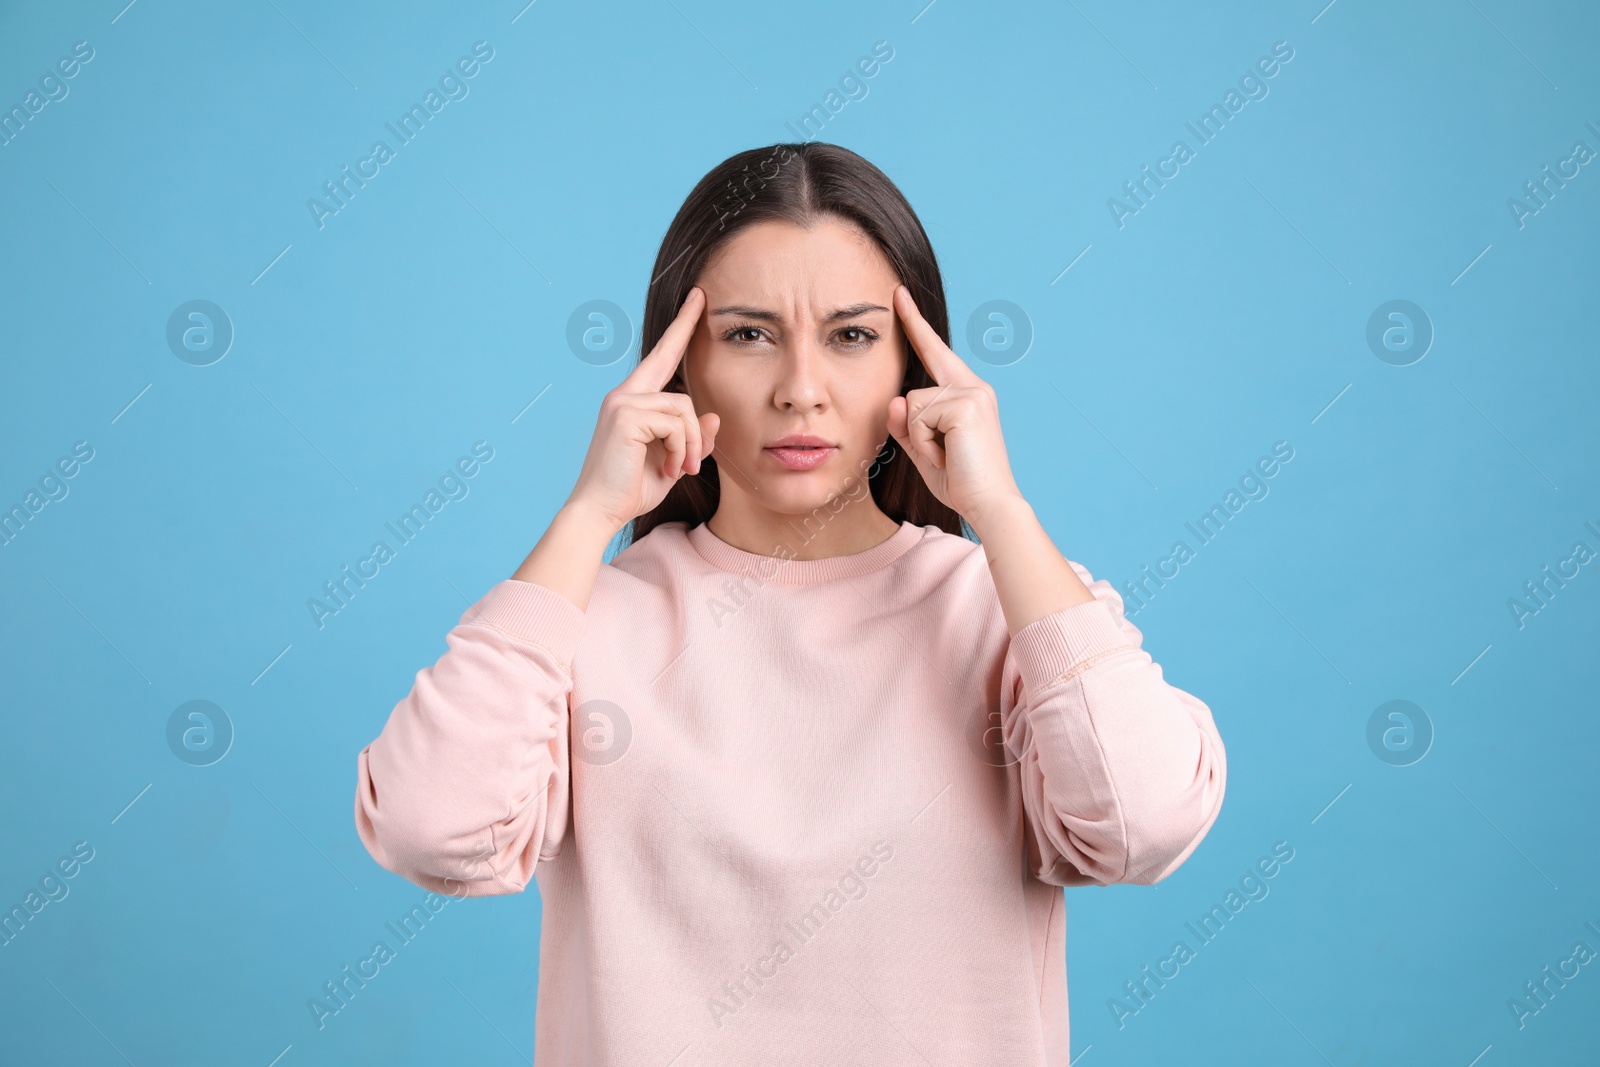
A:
[768,806]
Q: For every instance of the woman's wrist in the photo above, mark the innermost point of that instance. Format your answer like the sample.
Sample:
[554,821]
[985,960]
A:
[1007,510]
[586,521]
[567,558]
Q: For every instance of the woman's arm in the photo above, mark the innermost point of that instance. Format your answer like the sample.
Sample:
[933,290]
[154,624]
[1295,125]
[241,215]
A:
[1122,773]
[567,558]
[1030,576]
[466,788]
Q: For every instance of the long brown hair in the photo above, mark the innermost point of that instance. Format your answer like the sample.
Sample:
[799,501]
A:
[799,183]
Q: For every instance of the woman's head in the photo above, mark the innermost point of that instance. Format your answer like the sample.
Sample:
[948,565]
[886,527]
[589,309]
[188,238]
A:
[798,249]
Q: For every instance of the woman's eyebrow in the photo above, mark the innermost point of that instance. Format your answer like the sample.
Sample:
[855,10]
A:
[762,314]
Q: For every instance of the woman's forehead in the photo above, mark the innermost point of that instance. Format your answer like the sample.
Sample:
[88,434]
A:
[829,264]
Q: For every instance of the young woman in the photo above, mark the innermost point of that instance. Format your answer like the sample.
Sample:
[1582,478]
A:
[801,771]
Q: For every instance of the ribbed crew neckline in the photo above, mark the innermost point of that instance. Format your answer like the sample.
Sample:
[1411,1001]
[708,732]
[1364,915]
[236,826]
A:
[717,552]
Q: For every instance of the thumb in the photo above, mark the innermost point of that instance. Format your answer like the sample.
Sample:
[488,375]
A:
[899,429]
[710,423]
[897,421]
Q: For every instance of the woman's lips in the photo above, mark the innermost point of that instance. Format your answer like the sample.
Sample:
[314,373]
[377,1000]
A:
[801,459]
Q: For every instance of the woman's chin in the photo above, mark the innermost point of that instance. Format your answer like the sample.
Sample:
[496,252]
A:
[805,502]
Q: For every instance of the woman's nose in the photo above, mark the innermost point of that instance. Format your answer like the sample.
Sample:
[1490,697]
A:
[800,376]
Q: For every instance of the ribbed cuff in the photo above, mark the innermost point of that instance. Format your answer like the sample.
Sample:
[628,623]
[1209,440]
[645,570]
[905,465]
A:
[1050,647]
[531,612]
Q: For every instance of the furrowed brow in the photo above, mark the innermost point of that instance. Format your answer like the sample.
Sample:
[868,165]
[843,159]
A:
[763,315]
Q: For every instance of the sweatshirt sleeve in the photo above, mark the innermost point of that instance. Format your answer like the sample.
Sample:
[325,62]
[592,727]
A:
[467,789]
[1122,774]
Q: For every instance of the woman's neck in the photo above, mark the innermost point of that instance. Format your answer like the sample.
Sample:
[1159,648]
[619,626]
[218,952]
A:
[818,534]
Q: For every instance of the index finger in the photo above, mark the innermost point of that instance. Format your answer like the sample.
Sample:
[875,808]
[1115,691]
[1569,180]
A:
[944,366]
[655,370]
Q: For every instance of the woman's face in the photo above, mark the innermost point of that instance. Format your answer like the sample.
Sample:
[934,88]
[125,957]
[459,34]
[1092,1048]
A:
[799,336]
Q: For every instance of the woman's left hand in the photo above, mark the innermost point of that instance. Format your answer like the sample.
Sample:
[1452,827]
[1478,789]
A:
[951,430]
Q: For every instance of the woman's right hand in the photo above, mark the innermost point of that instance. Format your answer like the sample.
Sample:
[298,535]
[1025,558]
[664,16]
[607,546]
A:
[645,439]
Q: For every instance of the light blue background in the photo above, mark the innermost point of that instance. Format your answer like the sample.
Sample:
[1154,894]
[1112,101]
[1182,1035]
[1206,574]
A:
[1228,314]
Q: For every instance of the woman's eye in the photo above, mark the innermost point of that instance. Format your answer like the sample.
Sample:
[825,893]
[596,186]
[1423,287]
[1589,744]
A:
[736,335]
[850,336]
